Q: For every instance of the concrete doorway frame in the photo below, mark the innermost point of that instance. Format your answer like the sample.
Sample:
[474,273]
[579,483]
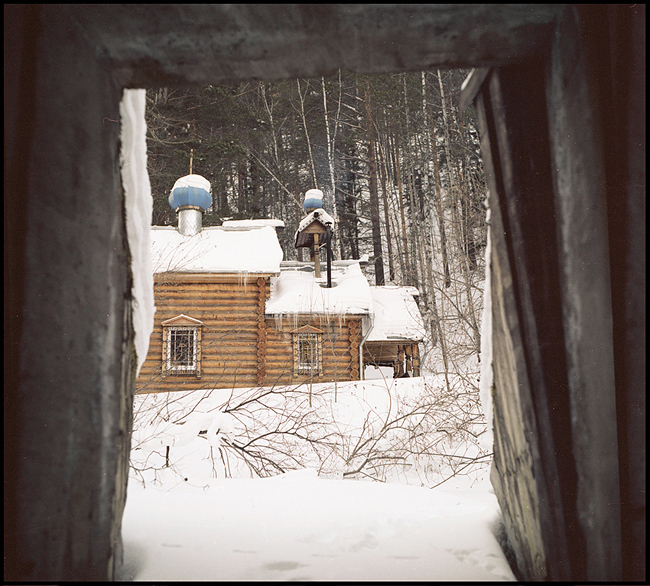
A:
[68,325]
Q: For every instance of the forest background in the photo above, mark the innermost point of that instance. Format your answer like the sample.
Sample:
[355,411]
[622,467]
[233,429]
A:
[398,163]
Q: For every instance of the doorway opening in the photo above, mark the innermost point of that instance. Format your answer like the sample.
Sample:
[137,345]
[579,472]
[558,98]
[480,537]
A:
[400,168]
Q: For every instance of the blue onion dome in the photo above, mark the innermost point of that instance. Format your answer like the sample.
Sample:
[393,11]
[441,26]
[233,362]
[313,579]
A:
[191,190]
[313,199]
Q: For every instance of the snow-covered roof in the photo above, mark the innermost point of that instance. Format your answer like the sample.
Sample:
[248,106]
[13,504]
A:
[298,292]
[253,223]
[320,214]
[395,313]
[250,246]
[216,249]
[397,316]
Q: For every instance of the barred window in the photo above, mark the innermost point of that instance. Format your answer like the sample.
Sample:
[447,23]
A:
[182,346]
[182,349]
[308,353]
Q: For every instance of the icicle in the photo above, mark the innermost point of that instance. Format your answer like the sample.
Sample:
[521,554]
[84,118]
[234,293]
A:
[243,280]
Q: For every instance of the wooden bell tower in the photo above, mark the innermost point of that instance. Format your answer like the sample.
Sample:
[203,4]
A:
[315,232]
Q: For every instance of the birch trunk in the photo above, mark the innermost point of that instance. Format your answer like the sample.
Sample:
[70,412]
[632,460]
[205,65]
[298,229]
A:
[374,194]
[304,125]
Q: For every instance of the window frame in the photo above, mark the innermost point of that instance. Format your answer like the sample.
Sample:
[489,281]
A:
[315,338]
[192,358]
[182,323]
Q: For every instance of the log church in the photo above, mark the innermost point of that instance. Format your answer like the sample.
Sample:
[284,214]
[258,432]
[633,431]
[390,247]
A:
[231,313]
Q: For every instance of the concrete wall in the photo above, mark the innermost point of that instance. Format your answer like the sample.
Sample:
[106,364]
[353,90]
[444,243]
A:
[68,402]
[568,383]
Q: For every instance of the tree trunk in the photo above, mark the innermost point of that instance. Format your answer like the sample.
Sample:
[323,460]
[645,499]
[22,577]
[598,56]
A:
[303,117]
[438,199]
[374,194]
[400,194]
[331,138]
[466,203]
[453,172]
[241,184]
[382,176]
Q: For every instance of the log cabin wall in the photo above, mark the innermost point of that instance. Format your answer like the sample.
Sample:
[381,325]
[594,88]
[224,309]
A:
[340,348]
[240,346]
[231,308]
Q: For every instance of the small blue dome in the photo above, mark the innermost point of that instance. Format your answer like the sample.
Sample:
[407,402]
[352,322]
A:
[313,199]
[191,190]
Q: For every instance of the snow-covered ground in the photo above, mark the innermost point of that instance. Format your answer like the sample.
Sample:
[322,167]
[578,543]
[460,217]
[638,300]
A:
[300,527]
[188,521]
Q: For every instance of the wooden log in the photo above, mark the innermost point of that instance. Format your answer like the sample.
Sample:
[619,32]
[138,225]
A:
[336,348]
[231,371]
[247,280]
[234,295]
[207,309]
[247,363]
[205,286]
[250,296]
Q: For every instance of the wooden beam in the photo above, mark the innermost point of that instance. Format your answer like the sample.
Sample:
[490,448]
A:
[161,278]
[529,365]
[261,331]
[316,255]
[582,144]
[471,86]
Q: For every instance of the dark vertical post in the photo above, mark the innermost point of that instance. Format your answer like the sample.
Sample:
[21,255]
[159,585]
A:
[72,384]
[329,257]
[535,479]
[316,255]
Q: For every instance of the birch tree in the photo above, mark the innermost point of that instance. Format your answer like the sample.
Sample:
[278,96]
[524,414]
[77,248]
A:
[374,194]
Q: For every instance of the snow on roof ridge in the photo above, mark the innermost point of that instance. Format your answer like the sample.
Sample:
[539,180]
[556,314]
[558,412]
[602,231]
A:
[254,223]
[319,214]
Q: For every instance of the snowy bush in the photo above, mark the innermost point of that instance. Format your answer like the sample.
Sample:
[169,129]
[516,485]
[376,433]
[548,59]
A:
[400,430]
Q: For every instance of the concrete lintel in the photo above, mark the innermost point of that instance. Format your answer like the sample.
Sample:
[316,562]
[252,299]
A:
[149,45]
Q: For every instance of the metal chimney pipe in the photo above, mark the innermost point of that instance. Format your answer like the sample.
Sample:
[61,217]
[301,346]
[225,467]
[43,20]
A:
[189,197]
[190,220]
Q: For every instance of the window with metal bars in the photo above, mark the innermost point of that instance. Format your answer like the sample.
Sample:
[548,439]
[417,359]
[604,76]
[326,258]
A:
[308,353]
[182,349]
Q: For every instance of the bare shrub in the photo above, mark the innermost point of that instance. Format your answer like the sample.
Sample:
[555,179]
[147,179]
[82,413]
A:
[412,430]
